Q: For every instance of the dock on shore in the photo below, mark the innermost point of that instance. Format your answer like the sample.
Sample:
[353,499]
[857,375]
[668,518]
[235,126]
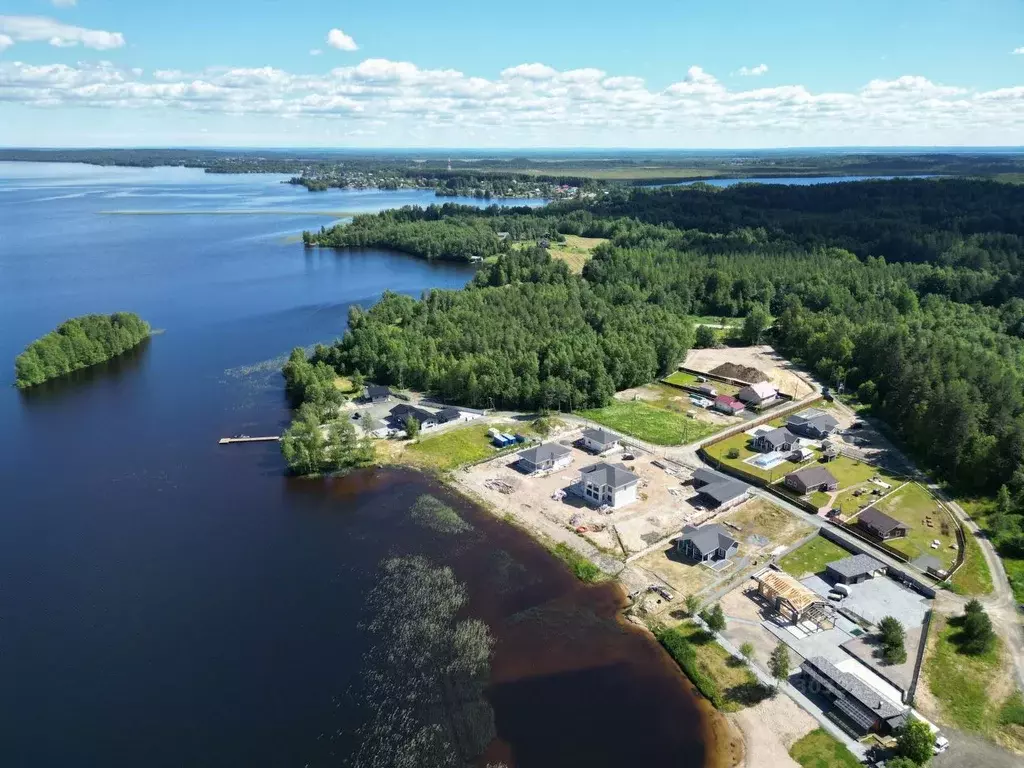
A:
[229,440]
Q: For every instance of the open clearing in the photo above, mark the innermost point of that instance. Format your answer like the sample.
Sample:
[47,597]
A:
[785,376]
[575,251]
[650,423]
[820,749]
[973,578]
[970,691]
[812,557]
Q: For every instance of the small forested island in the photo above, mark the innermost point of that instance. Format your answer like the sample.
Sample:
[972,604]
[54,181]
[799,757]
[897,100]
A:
[78,343]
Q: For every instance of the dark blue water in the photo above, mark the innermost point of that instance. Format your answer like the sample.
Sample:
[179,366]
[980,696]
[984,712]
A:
[798,181]
[165,601]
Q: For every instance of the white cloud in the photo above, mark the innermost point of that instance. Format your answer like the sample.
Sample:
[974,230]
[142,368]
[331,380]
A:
[1018,51]
[757,71]
[397,102]
[5,42]
[338,39]
[64,3]
[32,29]
[315,51]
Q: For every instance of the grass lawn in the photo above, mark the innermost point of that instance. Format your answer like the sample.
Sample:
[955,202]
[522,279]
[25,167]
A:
[728,682]
[912,504]
[1015,573]
[973,578]
[682,379]
[812,557]
[344,384]
[650,423]
[819,499]
[971,690]
[850,472]
[575,251]
[452,448]
[820,749]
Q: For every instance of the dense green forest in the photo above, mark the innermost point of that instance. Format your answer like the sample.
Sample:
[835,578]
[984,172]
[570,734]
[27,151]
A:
[78,343]
[907,292]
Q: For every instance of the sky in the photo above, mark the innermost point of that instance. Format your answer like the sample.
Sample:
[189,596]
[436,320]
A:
[727,74]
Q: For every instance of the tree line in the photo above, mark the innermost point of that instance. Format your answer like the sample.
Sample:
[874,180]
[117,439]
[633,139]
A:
[78,343]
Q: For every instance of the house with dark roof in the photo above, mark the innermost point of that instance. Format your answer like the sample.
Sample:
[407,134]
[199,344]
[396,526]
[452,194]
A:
[377,393]
[853,570]
[813,423]
[811,479]
[398,415]
[729,405]
[718,491]
[706,544]
[878,524]
[604,484]
[447,415]
[600,440]
[862,708]
[545,458]
[758,395]
[778,439]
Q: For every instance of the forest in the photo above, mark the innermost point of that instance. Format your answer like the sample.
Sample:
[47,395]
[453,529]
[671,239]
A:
[908,293]
[76,344]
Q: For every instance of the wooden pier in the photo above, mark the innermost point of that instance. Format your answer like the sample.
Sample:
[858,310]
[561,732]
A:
[229,440]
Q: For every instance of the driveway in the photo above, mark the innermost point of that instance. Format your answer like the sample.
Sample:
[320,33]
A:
[967,750]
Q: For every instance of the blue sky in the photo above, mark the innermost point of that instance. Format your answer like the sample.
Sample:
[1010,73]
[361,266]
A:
[660,74]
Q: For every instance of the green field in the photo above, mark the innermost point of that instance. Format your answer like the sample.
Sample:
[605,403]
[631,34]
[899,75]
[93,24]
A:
[650,423]
[973,577]
[812,557]
[820,749]
[681,379]
[963,686]
[911,504]
[850,472]
[452,448]
[575,251]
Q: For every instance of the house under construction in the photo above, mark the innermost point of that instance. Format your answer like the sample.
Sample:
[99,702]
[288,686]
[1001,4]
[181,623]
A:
[793,601]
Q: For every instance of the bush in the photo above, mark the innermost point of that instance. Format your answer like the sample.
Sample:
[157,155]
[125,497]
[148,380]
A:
[733,453]
[892,636]
[680,649]
[976,634]
[915,741]
[583,569]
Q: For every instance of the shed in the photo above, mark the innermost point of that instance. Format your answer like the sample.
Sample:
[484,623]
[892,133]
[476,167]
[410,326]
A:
[853,570]
[729,405]
[878,524]
[789,598]
[761,393]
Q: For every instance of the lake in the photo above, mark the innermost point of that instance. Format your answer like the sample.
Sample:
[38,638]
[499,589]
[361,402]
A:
[166,601]
[797,181]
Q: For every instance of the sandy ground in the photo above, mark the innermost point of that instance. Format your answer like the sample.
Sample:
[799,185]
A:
[786,377]
[664,505]
[770,729]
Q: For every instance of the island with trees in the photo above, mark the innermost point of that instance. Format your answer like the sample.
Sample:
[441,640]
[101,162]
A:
[79,343]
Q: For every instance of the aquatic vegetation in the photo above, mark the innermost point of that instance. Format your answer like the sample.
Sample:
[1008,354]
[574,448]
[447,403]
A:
[433,513]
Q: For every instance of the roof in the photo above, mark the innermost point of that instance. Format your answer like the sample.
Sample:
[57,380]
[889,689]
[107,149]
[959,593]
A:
[724,490]
[779,436]
[788,588]
[855,688]
[728,400]
[449,414]
[544,452]
[707,476]
[813,476]
[858,565]
[601,435]
[813,417]
[614,475]
[404,410]
[377,390]
[760,391]
[879,521]
[708,538]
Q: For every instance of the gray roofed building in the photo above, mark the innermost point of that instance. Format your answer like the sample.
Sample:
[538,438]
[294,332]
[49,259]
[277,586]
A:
[449,414]
[707,543]
[724,493]
[855,569]
[545,456]
[778,439]
[859,702]
[378,393]
[600,439]
[398,415]
[604,483]
[613,475]
[705,476]
[810,479]
[813,422]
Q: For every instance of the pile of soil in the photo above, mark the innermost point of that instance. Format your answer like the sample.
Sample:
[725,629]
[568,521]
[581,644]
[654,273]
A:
[740,372]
